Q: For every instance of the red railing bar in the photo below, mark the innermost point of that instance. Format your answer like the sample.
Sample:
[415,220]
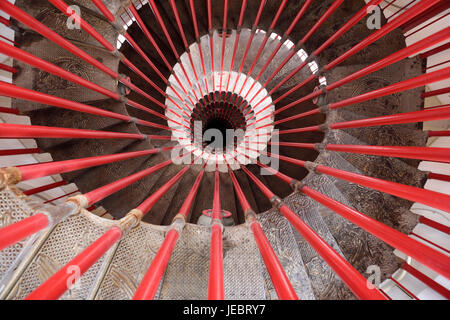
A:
[387,28]
[211,45]
[141,74]
[187,204]
[144,56]
[103,9]
[64,8]
[145,206]
[408,84]
[36,62]
[9,110]
[422,253]
[282,285]
[434,224]
[437,65]
[236,40]
[432,243]
[56,285]
[9,40]
[33,171]
[267,35]
[388,5]
[5,21]
[13,91]
[395,57]
[425,16]
[285,35]
[322,19]
[22,229]
[427,25]
[155,11]
[8,68]
[349,275]
[401,9]
[39,63]
[150,282]
[407,117]
[21,131]
[434,259]
[439,133]
[44,188]
[262,46]
[101,193]
[347,26]
[197,39]
[150,38]
[155,45]
[402,287]
[224,38]
[435,92]
[421,153]
[216,290]
[186,45]
[431,198]
[428,281]
[249,42]
[437,176]
[434,51]
[40,28]
[11,152]
[63,196]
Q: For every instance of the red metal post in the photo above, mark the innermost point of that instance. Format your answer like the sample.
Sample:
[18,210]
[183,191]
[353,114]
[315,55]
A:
[7,68]
[408,84]
[64,8]
[9,110]
[40,28]
[280,281]
[350,276]
[397,22]
[33,171]
[12,152]
[57,284]
[44,188]
[434,259]
[22,131]
[149,284]
[431,198]
[437,176]
[428,281]
[20,230]
[322,19]
[439,133]
[216,290]
[103,9]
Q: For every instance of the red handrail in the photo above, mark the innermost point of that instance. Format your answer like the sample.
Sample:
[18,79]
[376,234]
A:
[57,284]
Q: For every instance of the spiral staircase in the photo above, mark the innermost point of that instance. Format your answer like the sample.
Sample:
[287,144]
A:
[313,194]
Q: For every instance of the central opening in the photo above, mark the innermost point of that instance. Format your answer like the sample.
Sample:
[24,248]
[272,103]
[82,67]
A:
[223,122]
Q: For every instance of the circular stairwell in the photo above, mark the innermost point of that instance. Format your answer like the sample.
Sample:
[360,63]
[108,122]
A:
[189,98]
